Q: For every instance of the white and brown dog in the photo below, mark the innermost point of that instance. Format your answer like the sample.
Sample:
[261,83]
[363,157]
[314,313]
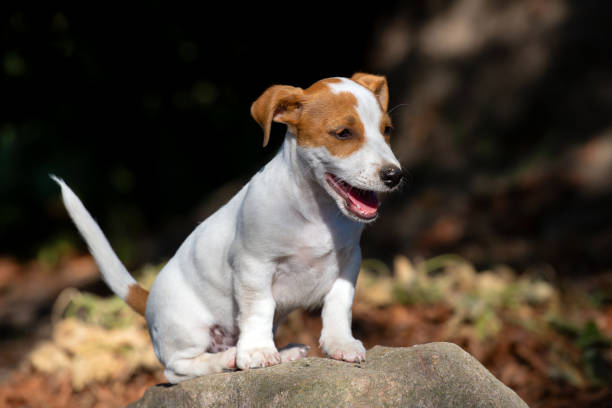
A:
[288,239]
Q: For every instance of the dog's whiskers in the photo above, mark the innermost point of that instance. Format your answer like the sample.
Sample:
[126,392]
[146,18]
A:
[401,105]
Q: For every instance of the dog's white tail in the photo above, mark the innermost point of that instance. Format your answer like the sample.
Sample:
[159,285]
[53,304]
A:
[113,272]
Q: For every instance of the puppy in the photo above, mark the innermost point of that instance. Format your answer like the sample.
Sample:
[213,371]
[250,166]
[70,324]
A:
[287,239]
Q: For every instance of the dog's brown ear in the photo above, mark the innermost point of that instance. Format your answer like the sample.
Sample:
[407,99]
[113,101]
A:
[279,103]
[377,84]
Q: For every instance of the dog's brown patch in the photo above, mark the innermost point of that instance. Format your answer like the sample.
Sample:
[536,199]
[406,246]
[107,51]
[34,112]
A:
[137,298]
[377,84]
[385,122]
[317,115]
[279,103]
[326,114]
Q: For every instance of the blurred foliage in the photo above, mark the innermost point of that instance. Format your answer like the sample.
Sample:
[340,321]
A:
[109,313]
[89,353]
[593,345]
[96,339]
[484,302]
[51,253]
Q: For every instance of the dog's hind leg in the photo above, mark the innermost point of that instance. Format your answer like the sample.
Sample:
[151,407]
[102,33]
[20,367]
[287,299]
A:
[209,350]
[185,366]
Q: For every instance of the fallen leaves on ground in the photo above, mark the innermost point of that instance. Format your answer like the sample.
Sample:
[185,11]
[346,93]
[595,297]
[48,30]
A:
[551,346]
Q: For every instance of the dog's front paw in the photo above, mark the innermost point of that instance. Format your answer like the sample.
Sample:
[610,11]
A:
[257,357]
[350,350]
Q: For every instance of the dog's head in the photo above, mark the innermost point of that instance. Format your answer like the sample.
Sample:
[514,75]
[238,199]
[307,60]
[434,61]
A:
[342,130]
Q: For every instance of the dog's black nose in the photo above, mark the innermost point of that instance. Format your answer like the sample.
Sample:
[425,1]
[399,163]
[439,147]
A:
[391,176]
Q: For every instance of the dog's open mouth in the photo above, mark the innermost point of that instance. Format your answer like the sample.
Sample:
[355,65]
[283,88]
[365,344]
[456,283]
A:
[363,204]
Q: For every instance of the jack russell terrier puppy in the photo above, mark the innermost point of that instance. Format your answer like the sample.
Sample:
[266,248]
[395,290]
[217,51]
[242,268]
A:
[287,239]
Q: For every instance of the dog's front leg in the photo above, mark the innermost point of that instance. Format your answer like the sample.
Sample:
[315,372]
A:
[253,290]
[337,339]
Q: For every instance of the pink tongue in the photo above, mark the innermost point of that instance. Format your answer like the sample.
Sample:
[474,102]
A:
[364,203]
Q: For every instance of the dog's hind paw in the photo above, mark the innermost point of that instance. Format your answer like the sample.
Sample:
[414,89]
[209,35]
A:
[293,351]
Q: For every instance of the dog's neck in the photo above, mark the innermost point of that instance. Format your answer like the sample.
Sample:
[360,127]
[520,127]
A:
[312,201]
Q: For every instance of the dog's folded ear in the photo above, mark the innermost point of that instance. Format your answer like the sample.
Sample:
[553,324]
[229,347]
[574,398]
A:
[377,84]
[279,103]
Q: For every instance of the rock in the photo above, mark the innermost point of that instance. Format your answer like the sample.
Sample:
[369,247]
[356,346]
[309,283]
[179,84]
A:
[431,375]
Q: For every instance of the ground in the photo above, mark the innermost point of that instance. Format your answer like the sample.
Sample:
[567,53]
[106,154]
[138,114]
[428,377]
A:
[547,341]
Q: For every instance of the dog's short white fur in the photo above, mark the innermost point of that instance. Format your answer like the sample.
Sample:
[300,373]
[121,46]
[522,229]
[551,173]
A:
[288,239]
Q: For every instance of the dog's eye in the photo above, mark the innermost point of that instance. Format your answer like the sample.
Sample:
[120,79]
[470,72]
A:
[388,130]
[343,134]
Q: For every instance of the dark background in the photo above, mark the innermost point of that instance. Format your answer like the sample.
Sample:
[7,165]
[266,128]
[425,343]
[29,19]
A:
[503,114]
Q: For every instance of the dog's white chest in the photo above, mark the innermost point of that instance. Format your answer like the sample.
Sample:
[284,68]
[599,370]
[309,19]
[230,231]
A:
[304,277]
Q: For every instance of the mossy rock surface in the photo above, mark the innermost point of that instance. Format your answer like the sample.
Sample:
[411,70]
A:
[430,375]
